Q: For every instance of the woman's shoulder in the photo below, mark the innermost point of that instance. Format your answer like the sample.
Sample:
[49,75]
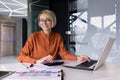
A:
[34,34]
[57,34]
[37,32]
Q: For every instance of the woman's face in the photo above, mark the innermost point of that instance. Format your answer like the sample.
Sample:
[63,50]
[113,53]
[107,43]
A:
[45,22]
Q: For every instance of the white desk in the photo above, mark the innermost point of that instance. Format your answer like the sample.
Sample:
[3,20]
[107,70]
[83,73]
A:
[105,72]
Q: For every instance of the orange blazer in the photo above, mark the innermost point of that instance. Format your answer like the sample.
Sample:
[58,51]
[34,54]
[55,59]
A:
[38,45]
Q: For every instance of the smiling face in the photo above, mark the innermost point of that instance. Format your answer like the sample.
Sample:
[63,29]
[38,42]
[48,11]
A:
[45,22]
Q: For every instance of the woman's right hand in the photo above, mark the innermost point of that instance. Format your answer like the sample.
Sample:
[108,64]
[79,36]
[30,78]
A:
[45,59]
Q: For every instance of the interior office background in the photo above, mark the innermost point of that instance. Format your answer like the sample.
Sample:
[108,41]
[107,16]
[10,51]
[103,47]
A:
[85,26]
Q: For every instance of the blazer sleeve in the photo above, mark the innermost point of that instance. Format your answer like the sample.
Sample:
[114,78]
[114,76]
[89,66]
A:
[26,52]
[63,51]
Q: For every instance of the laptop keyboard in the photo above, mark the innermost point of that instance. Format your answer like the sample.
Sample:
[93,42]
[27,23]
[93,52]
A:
[2,73]
[87,64]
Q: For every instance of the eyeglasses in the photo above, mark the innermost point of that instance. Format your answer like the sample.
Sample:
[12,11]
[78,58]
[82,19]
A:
[46,21]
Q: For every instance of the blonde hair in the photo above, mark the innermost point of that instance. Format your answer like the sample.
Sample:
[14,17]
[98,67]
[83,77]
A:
[50,14]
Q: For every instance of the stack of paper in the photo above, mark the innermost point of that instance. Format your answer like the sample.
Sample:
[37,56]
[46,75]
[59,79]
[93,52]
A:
[50,74]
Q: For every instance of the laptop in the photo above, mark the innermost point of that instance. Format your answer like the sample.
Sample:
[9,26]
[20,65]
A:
[94,64]
[4,74]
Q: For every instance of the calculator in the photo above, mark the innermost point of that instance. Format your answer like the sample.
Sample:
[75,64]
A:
[54,63]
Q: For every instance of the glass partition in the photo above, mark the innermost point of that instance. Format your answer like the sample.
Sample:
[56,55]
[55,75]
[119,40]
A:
[92,22]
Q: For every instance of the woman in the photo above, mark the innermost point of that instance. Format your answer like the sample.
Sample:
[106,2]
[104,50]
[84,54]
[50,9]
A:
[43,46]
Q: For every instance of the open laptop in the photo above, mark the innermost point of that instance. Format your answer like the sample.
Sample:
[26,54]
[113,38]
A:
[94,64]
[4,74]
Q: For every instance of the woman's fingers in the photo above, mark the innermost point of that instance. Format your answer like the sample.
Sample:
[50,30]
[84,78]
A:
[45,59]
[83,58]
[48,58]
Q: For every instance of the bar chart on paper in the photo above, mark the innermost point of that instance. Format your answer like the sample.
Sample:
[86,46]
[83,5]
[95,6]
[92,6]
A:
[51,74]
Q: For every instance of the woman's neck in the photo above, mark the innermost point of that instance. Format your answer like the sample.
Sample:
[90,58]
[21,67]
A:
[47,32]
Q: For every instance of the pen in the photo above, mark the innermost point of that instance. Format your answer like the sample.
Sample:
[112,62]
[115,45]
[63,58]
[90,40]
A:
[31,65]
[28,66]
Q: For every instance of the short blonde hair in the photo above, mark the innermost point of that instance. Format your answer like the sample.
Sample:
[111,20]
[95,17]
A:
[50,14]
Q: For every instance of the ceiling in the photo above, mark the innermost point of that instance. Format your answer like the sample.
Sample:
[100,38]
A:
[14,8]
[18,8]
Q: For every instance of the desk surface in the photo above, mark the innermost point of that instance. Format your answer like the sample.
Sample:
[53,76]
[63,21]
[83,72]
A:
[106,72]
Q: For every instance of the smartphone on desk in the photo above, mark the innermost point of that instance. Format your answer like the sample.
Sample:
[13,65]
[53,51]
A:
[54,63]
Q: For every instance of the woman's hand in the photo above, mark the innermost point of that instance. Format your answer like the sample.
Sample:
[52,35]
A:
[83,58]
[45,59]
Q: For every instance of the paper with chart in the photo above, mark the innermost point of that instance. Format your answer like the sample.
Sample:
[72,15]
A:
[50,74]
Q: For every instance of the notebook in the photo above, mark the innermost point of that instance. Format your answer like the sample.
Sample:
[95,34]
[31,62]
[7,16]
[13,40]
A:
[94,64]
[4,74]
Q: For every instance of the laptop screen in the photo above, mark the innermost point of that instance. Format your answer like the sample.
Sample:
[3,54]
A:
[104,54]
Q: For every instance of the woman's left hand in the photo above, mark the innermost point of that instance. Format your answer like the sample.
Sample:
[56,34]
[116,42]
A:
[83,58]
